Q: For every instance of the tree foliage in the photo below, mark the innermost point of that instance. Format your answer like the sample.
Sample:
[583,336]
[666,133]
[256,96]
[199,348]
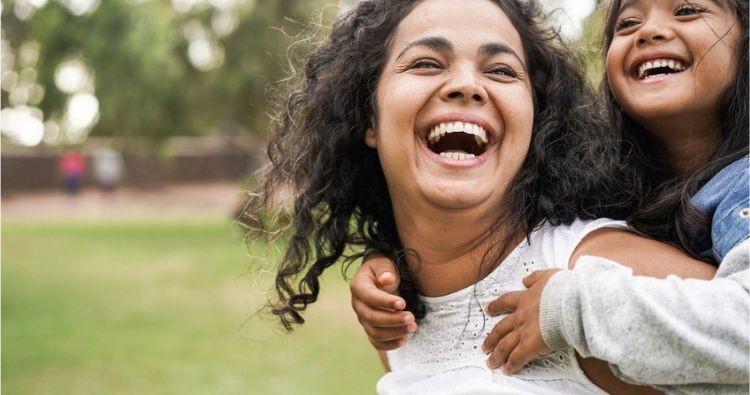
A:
[137,53]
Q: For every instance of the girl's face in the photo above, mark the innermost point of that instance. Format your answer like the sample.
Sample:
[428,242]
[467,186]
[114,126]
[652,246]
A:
[670,61]
[454,107]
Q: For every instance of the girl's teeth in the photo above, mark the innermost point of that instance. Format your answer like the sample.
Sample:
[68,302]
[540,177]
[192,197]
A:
[674,65]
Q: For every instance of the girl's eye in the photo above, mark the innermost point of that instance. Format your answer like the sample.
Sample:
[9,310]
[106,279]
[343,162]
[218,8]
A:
[502,71]
[688,9]
[625,23]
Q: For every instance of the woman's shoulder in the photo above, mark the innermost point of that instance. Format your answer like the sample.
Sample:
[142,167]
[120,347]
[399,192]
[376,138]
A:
[572,233]
[555,243]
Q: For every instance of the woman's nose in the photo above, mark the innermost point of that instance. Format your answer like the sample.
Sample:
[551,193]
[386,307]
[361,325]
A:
[464,85]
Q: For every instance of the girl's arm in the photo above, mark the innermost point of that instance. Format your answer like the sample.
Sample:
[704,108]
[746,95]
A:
[661,331]
[652,331]
[384,359]
[378,307]
[375,300]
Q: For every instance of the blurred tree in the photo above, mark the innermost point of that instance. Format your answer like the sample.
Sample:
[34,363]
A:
[161,68]
[589,45]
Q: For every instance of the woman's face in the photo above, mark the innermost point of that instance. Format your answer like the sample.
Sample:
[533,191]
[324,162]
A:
[670,60]
[454,107]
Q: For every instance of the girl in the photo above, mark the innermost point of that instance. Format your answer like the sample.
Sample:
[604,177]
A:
[417,132]
[677,88]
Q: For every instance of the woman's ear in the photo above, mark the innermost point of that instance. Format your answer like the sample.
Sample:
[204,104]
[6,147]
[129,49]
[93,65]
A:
[370,138]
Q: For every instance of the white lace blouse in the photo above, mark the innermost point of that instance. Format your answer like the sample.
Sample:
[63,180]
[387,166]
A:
[444,356]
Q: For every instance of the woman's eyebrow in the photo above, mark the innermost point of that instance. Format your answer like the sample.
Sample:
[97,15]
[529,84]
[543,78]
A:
[492,49]
[440,44]
[437,43]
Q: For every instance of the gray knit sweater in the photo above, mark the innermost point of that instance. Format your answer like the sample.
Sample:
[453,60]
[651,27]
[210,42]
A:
[680,336]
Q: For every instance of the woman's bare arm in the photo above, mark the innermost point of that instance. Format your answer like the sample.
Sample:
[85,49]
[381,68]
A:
[645,256]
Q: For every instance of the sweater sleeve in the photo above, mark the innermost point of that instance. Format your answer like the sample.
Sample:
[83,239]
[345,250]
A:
[672,333]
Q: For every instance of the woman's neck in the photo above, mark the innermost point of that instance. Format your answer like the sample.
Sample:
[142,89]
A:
[450,247]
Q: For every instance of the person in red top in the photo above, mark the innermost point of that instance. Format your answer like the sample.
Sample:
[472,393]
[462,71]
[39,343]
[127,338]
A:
[72,165]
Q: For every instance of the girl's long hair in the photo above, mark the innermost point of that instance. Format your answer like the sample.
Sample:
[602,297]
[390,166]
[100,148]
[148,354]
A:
[665,213]
[318,155]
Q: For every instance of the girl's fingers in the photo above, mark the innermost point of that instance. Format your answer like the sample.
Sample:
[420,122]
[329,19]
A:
[500,354]
[365,289]
[386,334]
[504,304]
[532,278]
[388,345]
[516,360]
[381,318]
[384,270]
[500,330]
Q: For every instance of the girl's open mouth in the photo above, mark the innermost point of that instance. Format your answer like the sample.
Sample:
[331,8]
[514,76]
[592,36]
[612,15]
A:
[659,67]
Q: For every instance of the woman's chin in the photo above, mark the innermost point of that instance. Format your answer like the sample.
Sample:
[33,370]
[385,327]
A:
[458,197]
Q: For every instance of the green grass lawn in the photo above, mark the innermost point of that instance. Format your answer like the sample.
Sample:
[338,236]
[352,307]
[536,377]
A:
[163,308]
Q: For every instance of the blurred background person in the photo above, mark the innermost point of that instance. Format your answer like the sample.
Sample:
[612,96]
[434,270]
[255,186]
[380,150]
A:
[72,164]
[108,168]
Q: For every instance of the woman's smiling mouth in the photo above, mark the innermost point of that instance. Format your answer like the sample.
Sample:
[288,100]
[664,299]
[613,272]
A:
[458,140]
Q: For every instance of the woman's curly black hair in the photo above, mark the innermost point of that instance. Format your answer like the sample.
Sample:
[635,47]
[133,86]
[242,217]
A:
[665,212]
[340,195]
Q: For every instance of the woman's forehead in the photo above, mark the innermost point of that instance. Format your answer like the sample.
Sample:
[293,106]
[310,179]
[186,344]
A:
[469,21]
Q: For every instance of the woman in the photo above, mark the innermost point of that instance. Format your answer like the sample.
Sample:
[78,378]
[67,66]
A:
[685,114]
[455,146]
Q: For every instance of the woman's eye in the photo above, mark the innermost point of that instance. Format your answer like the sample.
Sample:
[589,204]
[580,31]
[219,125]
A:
[625,23]
[425,64]
[688,9]
[503,71]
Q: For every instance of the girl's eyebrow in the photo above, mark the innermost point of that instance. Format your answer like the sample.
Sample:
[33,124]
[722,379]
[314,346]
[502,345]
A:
[440,44]
[630,3]
[627,4]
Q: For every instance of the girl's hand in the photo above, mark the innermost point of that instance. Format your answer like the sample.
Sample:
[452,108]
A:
[516,339]
[378,307]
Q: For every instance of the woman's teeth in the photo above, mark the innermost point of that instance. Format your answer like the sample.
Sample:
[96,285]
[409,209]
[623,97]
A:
[455,127]
[658,67]
[457,155]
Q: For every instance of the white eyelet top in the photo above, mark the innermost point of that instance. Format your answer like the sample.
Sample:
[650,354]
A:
[444,356]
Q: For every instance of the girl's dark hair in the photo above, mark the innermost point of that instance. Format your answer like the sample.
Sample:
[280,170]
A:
[666,213]
[340,196]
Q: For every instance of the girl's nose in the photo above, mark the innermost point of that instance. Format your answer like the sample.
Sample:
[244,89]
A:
[464,85]
[654,31]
